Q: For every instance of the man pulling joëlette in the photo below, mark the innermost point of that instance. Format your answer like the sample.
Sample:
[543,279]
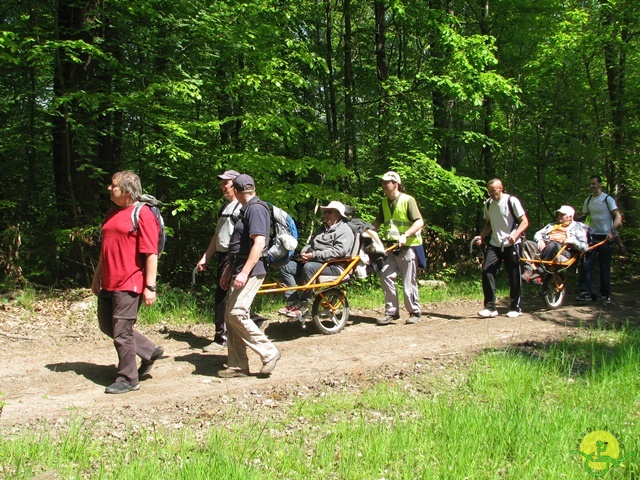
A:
[506,220]
[400,222]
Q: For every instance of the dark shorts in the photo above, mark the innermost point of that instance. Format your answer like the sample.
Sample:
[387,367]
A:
[118,305]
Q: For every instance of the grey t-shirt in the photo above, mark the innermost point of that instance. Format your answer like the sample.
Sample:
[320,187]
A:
[600,208]
[226,223]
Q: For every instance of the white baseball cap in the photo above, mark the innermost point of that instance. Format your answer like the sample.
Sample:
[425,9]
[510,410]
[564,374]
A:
[391,176]
[566,210]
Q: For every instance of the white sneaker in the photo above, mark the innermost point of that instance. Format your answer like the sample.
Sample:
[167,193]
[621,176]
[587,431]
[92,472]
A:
[488,313]
[514,314]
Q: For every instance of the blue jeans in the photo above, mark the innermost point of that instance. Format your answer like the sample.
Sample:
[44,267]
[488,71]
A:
[604,254]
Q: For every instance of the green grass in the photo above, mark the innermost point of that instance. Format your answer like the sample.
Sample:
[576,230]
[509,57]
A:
[179,307]
[507,414]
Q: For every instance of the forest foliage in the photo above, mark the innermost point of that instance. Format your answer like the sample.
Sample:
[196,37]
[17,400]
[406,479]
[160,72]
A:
[315,99]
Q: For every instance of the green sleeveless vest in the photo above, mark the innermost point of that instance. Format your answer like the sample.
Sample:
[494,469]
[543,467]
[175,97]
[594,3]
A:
[398,223]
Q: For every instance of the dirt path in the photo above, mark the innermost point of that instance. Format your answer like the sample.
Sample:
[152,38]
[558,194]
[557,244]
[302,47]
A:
[54,363]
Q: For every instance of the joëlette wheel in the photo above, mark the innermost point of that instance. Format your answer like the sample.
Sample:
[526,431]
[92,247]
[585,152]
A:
[330,311]
[554,289]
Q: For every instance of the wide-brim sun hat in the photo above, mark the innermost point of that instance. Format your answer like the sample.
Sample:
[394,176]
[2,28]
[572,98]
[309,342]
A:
[335,205]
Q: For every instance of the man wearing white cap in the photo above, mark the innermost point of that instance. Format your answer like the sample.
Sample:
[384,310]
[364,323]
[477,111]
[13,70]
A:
[219,246]
[565,231]
[399,221]
[334,239]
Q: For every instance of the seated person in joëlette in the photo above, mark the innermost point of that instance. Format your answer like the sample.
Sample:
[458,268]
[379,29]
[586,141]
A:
[333,240]
[565,231]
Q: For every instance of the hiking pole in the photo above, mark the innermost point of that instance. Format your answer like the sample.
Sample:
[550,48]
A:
[474,240]
[193,275]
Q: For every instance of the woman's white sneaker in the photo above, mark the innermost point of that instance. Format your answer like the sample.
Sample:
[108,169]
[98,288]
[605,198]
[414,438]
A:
[486,313]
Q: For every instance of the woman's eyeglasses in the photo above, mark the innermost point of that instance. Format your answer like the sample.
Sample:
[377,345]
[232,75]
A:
[328,212]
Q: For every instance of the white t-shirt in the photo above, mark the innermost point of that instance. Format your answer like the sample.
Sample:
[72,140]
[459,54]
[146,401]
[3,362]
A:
[600,209]
[226,225]
[502,222]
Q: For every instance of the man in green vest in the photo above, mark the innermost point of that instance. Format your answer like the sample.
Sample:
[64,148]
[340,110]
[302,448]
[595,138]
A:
[399,222]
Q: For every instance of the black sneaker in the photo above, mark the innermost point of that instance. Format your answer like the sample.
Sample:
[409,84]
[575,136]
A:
[121,387]
[146,365]
[585,297]
[606,300]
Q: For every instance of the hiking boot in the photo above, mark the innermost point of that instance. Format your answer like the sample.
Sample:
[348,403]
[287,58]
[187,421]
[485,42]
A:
[514,313]
[486,313]
[233,372]
[121,387]
[269,366]
[413,318]
[215,347]
[387,319]
[585,297]
[145,366]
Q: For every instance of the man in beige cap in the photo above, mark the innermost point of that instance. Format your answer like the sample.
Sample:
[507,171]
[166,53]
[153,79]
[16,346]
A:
[399,221]
[218,247]
[334,239]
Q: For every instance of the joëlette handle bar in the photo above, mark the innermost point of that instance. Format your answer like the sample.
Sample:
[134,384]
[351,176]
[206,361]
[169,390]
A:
[475,239]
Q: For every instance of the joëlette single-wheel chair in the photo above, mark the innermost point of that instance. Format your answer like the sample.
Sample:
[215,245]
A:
[330,307]
[551,275]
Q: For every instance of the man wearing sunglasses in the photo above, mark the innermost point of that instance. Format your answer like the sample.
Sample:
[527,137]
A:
[334,239]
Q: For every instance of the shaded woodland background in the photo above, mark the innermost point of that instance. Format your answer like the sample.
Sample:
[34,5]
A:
[315,99]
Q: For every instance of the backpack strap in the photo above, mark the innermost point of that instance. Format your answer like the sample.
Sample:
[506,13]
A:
[135,216]
[145,199]
[516,219]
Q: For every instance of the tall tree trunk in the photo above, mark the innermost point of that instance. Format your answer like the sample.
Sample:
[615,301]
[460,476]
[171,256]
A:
[349,110]
[332,106]
[442,102]
[383,76]
[83,133]
[486,155]
[616,21]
